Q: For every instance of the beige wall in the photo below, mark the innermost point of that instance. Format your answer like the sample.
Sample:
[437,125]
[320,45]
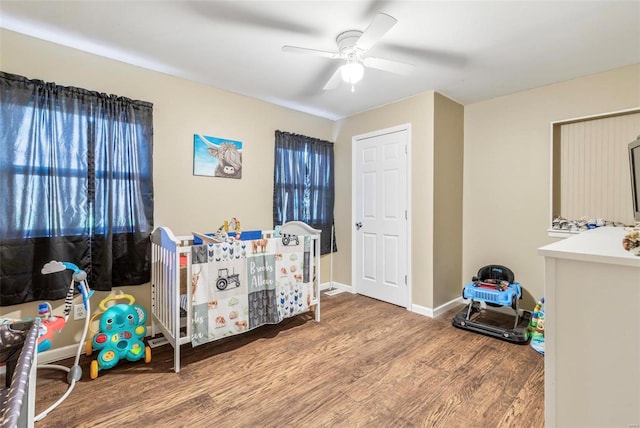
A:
[418,111]
[507,169]
[181,108]
[443,139]
[447,222]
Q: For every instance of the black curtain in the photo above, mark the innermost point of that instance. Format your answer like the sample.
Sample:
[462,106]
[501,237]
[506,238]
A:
[304,184]
[77,185]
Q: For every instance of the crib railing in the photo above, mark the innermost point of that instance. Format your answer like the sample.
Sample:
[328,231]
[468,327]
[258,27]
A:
[166,250]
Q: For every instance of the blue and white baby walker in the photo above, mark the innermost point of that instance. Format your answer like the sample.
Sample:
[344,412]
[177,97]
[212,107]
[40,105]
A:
[495,286]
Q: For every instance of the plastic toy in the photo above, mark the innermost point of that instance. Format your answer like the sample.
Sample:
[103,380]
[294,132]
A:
[494,285]
[52,323]
[49,324]
[121,330]
[222,234]
[536,327]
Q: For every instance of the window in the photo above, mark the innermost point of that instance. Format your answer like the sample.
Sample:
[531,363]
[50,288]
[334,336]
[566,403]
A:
[76,180]
[304,184]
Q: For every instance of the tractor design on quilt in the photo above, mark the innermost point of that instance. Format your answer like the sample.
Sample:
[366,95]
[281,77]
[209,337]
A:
[120,334]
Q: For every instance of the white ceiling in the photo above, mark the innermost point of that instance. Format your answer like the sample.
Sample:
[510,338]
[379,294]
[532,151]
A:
[467,50]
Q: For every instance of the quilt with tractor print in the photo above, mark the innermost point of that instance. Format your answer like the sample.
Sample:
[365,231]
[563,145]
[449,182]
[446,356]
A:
[240,285]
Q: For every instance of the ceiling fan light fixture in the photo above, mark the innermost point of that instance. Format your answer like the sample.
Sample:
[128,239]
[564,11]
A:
[352,72]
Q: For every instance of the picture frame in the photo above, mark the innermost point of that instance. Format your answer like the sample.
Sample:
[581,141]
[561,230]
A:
[217,157]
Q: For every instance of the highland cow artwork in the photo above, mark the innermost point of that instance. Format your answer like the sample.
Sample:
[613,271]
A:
[217,157]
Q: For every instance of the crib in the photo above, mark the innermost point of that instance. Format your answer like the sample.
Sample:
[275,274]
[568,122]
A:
[186,308]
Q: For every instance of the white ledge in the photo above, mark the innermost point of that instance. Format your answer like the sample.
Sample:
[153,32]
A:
[600,245]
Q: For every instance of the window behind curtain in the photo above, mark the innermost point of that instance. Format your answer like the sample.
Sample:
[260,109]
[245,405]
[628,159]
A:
[304,183]
[76,184]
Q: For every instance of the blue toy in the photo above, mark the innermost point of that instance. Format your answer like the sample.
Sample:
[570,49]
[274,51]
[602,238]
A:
[494,285]
[122,328]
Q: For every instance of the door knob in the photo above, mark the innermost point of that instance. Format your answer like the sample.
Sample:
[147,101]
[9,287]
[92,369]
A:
[358,225]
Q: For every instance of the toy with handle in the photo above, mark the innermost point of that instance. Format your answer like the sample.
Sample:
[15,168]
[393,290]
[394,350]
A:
[120,334]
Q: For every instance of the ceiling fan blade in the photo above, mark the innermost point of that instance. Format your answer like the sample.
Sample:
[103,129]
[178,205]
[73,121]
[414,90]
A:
[236,12]
[374,32]
[314,52]
[333,81]
[388,65]
[374,6]
[443,57]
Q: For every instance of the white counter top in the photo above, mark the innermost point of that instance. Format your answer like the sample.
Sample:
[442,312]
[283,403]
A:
[600,245]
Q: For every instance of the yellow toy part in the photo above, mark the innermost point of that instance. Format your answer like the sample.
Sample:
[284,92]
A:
[120,296]
[93,370]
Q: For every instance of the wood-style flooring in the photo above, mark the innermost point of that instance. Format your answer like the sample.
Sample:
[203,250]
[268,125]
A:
[366,364]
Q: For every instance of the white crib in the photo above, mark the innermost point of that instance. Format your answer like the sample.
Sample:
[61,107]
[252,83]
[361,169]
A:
[171,291]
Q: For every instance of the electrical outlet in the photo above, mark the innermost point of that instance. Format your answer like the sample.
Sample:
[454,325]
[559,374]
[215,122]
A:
[79,312]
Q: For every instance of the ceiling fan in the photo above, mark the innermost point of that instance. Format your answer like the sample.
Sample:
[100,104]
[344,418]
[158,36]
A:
[352,47]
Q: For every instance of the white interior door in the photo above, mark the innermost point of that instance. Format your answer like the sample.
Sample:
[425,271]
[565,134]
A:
[380,215]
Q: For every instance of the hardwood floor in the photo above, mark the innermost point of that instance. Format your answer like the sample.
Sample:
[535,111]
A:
[367,364]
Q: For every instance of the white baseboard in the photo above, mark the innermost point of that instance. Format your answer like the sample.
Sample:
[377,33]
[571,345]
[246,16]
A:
[336,285]
[448,306]
[64,352]
[58,354]
[432,313]
[422,310]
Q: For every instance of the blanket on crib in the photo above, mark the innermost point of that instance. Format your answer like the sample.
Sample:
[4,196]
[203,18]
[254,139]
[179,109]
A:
[238,286]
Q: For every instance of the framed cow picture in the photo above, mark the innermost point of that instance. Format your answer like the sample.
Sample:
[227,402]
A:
[217,157]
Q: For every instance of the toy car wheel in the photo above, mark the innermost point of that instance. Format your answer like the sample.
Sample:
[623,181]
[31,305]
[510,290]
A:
[147,354]
[514,302]
[88,347]
[285,240]
[93,372]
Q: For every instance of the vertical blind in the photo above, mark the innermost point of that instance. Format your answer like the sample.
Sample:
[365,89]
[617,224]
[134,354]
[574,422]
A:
[595,180]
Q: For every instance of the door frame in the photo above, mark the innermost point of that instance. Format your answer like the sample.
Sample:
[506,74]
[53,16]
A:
[354,141]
